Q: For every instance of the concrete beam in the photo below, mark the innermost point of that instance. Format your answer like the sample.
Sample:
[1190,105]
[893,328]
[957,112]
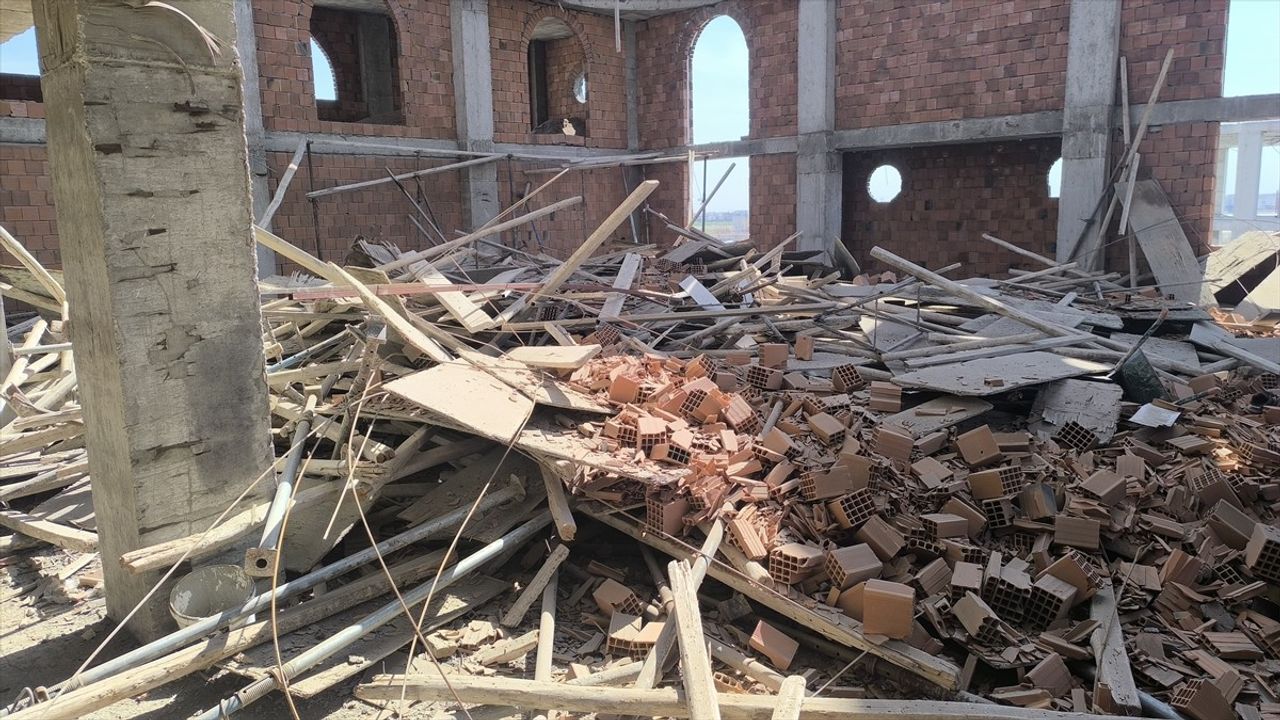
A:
[951,132]
[147,155]
[1093,55]
[755,146]
[1229,110]
[22,131]
[818,164]
[473,97]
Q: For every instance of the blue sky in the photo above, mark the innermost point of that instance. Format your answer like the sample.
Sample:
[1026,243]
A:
[720,66]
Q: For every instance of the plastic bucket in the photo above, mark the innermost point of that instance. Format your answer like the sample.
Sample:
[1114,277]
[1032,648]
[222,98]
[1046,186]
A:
[209,591]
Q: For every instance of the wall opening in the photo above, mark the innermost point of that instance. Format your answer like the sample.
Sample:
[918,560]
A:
[558,80]
[1247,182]
[1054,179]
[20,68]
[356,39]
[885,183]
[719,111]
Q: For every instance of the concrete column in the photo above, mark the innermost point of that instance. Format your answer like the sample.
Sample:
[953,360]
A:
[1248,171]
[633,85]
[1093,56]
[254,130]
[473,97]
[818,167]
[150,177]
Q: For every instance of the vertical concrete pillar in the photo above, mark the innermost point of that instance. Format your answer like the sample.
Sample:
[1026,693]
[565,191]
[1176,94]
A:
[633,84]
[473,97]
[818,171]
[150,176]
[254,130]
[1093,55]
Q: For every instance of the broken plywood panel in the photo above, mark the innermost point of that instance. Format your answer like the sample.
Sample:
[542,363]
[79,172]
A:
[1094,405]
[1263,300]
[553,357]
[1173,350]
[1164,245]
[989,376]
[1235,259]
[470,397]
[936,414]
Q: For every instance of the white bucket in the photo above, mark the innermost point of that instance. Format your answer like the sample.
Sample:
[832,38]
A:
[208,591]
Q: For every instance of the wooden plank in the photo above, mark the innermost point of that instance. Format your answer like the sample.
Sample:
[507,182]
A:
[668,702]
[1108,649]
[790,699]
[404,176]
[407,331]
[504,651]
[990,376]
[827,622]
[554,357]
[558,504]
[695,666]
[63,536]
[470,315]
[282,187]
[472,399]
[1163,243]
[588,246]
[700,293]
[625,278]
[515,614]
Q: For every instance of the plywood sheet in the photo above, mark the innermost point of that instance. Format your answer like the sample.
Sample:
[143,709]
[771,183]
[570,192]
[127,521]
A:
[1174,350]
[1233,260]
[989,376]
[1092,404]
[936,414]
[474,400]
[1164,245]
[554,357]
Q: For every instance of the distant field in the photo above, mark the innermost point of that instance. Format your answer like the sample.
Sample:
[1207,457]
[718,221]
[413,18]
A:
[722,229]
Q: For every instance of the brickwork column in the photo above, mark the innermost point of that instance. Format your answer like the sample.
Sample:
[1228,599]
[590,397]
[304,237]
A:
[1093,57]
[150,177]
[818,173]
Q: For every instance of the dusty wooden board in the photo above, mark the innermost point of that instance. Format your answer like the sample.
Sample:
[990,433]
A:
[626,276]
[700,294]
[460,488]
[469,314]
[1164,245]
[1233,260]
[554,357]
[1175,350]
[454,601]
[544,388]
[1107,320]
[933,415]
[1095,405]
[1012,372]
[473,399]
[73,506]
[1008,327]
[1263,300]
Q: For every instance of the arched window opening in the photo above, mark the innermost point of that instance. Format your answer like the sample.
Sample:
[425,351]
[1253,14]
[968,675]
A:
[720,111]
[558,99]
[20,68]
[356,39]
[1055,179]
[322,74]
[885,184]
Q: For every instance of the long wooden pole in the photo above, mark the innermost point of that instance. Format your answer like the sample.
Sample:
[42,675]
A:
[669,702]
[403,176]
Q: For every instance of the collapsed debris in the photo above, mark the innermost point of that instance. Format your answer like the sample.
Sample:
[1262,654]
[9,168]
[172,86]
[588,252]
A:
[998,486]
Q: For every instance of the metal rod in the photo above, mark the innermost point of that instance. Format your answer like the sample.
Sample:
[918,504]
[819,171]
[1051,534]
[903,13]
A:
[284,489]
[393,609]
[708,198]
[180,638]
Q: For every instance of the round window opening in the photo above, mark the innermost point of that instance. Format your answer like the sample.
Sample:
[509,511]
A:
[580,88]
[885,184]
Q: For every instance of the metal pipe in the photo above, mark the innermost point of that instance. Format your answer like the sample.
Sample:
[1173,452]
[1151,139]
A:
[708,198]
[180,638]
[393,609]
[284,489]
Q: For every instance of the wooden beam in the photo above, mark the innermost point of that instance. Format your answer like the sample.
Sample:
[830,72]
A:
[790,699]
[403,176]
[626,276]
[515,614]
[407,331]
[64,536]
[558,503]
[1112,660]
[283,186]
[695,666]
[669,702]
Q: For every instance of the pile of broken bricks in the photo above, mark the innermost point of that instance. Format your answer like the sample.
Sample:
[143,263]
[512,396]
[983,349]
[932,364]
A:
[1018,550]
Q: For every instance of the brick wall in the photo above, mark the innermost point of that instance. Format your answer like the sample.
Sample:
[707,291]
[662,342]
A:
[671,198]
[377,213]
[26,202]
[563,231]
[565,61]
[1194,29]
[664,49]
[773,199]
[511,26]
[21,96]
[335,31]
[425,50]
[950,196]
[922,61]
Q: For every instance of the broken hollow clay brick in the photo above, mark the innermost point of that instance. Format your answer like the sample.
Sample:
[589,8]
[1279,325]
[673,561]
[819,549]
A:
[887,609]
[978,447]
[849,566]
[773,644]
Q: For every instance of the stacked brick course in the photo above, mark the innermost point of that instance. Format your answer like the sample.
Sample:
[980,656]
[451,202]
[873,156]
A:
[950,196]
[563,231]
[26,201]
[20,96]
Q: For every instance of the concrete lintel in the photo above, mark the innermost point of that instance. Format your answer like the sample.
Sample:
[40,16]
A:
[951,132]
[22,131]
[342,144]
[756,146]
[556,153]
[1228,109]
